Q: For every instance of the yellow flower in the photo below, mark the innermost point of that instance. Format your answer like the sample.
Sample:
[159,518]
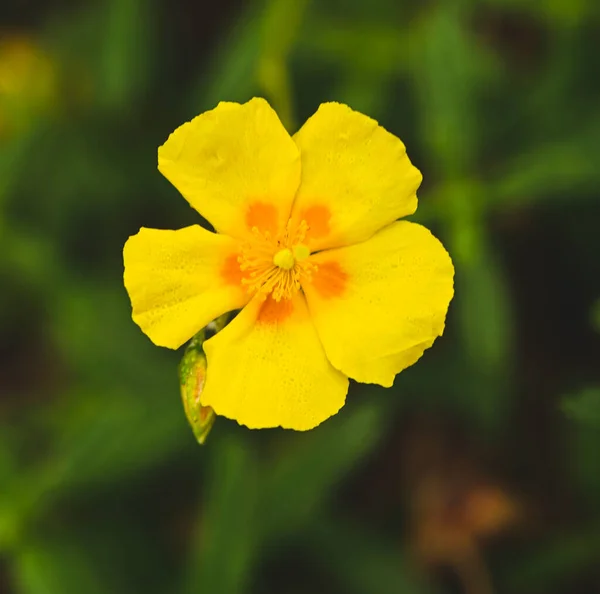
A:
[330,285]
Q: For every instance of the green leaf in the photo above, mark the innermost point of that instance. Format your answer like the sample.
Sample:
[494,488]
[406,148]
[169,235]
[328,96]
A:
[107,427]
[361,561]
[448,71]
[226,530]
[57,567]
[305,476]
[559,169]
[559,13]
[232,75]
[125,53]
[14,162]
[584,407]
[596,316]
[558,558]
[343,43]
[584,467]
[281,22]
[106,48]
[484,310]
[115,424]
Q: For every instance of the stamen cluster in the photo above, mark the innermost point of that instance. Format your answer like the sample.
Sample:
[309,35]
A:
[276,265]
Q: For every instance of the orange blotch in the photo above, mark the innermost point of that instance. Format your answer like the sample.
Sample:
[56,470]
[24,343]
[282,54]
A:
[263,216]
[274,312]
[205,412]
[330,280]
[231,272]
[318,219]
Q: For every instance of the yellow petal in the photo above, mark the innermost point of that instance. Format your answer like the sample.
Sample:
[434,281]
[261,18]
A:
[379,304]
[179,281]
[267,368]
[356,177]
[236,165]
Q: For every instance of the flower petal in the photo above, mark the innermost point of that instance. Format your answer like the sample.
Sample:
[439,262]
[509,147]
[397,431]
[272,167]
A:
[179,281]
[379,304]
[267,368]
[356,177]
[236,165]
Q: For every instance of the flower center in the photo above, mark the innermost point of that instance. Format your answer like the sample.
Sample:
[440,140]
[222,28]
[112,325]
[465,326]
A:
[284,259]
[276,266]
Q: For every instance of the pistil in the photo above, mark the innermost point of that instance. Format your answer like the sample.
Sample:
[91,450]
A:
[276,266]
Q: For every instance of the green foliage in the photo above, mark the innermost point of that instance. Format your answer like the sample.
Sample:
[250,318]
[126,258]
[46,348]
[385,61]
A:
[584,407]
[545,567]
[303,477]
[232,71]
[43,567]
[361,562]
[228,530]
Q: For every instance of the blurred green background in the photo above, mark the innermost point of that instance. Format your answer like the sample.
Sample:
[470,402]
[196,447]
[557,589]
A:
[478,472]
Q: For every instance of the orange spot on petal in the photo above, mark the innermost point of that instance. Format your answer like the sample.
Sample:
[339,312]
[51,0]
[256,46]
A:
[330,280]
[318,219]
[230,272]
[263,216]
[274,312]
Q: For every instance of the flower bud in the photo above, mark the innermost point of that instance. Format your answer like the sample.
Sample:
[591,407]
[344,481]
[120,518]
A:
[192,375]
